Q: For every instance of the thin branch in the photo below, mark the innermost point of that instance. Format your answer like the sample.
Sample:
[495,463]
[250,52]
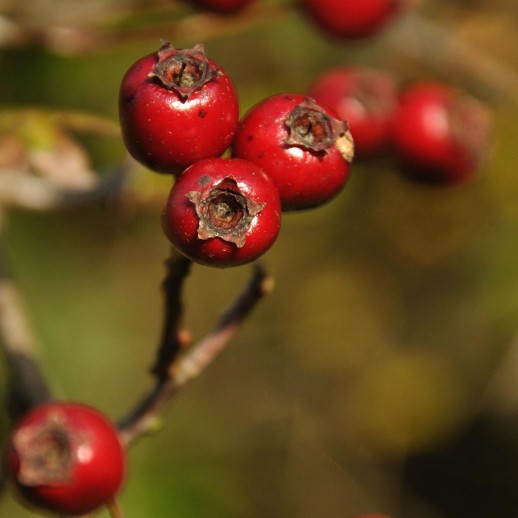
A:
[27,385]
[115,510]
[17,189]
[198,27]
[200,356]
[440,47]
[178,267]
[92,34]
[189,365]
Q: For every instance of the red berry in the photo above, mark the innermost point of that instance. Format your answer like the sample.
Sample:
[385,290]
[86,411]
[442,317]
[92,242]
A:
[65,458]
[440,135]
[366,99]
[222,6]
[302,145]
[222,212]
[177,107]
[351,19]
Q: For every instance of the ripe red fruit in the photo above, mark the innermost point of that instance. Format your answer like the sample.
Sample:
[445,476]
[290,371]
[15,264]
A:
[176,107]
[222,212]
[351,19]
[222,6]
[440,135]
[65,458]
[366,98]
[301,145]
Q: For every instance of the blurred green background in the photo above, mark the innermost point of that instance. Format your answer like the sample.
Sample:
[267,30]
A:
[376,376]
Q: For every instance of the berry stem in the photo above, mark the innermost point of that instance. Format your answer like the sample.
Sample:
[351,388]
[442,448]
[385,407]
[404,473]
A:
[114,510]
[205,351]
[175,370]
[178,268]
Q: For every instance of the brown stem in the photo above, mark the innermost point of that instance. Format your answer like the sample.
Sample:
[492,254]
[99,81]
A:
[203,353]
[39,194]
[117,26]
[187,366]
[178,267]
[27,385]
[442,48]
[115,510]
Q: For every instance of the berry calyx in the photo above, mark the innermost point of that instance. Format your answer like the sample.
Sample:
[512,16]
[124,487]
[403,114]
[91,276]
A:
[440,135]
[65,458]
[183,71]
[310,127]
[177,106]
[302,145]
[367,99]
[222,212]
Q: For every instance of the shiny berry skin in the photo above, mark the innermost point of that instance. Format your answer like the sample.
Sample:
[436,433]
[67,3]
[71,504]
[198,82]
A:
[301,145]
[366,98]
[351,19]
[177,107]
[222,6]
[440,135]
[65,457]
[222,212]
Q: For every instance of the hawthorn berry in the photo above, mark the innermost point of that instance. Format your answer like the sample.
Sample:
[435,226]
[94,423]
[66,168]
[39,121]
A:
[366,98]
[351,19]
[222,212]
[177,106]
[440,135]
[222,6]
[302,146]
[65,458]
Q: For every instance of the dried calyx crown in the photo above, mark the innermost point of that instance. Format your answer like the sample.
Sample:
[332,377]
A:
[467,112]
[224,212]
[45,452]
[183,70]
[311,128]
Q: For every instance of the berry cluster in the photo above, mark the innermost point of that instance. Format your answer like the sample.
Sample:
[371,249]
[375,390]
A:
[179,114]
[435,133]
[234,177]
